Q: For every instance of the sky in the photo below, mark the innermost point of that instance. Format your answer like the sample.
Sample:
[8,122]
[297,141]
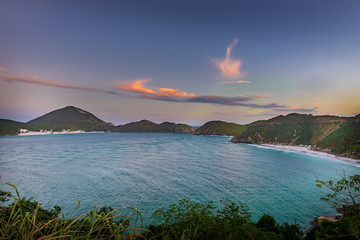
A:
[180,61]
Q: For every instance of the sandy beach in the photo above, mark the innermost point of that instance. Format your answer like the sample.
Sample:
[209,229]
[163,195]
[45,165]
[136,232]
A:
[307,150]
[31,133]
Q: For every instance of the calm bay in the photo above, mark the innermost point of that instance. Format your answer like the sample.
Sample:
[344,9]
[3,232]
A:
[152,170]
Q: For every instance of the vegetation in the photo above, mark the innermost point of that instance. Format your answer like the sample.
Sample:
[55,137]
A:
[338,135]
[10,127]
[345,193]
[26,219]
[345,139]
[73,118]
[191,220]
[148,126]
[68,118]
[220,128]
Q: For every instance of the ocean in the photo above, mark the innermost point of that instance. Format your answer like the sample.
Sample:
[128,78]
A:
[153,170]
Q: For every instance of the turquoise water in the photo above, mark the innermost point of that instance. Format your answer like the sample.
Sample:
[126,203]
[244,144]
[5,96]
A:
[151,170]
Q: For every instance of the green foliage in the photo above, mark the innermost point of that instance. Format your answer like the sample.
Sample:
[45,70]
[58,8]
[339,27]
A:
[346,139]
[9,127]
[220,128]
[191,220]
[340,135]
[267,223]
[347,227]
[4,196]
[344,191]
[26,219]
[73,118]
[148,126]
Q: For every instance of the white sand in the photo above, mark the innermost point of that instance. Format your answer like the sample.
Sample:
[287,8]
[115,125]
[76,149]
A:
[31,133]
[308,151]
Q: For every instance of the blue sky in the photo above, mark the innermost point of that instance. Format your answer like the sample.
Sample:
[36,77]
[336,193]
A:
[182,61]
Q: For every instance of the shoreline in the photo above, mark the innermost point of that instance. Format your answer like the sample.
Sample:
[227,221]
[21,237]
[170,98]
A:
[31,133]
[306,150]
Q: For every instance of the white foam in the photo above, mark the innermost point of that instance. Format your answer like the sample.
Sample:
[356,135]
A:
[306,150]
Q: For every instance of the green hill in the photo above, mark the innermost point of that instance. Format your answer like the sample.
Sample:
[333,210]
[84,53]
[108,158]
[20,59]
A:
[338,135]
[10,127]
[148,126]
[220,128]
[68,118]
[73,118]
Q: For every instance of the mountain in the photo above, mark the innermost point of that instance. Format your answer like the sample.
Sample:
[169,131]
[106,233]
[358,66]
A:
[148,126]
[74,118]
[332,134]
[68,118]
[338,135]
[220,128]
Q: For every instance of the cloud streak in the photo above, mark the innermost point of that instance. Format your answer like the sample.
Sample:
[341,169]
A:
[235,82]
[10,78]
[137,86]
[137,89]
[294,109]
[229,68]
[2,69]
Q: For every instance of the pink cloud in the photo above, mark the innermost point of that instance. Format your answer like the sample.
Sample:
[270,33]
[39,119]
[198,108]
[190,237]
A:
[138,86]
[2,69]
[139,90]
[36,80]
[229,67]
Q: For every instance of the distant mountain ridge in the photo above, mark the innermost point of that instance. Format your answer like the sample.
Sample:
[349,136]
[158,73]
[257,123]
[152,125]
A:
[74,118]
[331,134]
[148,126]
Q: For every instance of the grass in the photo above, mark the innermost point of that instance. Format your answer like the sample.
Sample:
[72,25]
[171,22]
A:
[26,219]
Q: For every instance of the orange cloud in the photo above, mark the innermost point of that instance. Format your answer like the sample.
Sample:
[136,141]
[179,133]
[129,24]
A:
[234,82]
[230,68]
[2,69]
[160,94]
[137,86]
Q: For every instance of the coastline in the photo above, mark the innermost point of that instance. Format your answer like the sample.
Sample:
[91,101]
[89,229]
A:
[308,151]
[31,133]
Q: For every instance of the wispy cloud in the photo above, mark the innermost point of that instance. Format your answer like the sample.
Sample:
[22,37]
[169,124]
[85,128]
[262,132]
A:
[137,86]
[137,89]
[229,68]
[174,95]
[295,109]
[235,82]
[36,80]
[2,69]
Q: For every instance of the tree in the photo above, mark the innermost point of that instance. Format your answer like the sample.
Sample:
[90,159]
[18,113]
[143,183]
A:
[345,191]
[267,223]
